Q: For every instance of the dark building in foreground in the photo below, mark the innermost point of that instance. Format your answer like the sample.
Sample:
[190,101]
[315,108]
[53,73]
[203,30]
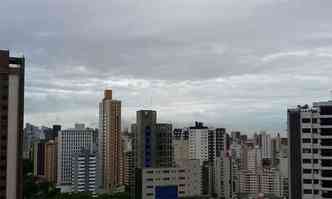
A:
[39,158]
[294,136]
[11,125]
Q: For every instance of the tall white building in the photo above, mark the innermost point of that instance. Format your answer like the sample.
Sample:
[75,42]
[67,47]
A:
[310,130]
[70,142]
[199,143]
[266,146]
[254,158]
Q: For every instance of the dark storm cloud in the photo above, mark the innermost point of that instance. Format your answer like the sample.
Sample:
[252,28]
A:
[190,59]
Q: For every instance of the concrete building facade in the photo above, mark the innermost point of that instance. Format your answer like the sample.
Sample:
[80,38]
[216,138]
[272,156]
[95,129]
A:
[185,180]
[39,158]
[51,158]
[311,128]
[70,142]
[110,143]
[11,125]
[84,172]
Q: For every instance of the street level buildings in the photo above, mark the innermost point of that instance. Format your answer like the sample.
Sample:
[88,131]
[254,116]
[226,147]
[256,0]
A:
[171,183]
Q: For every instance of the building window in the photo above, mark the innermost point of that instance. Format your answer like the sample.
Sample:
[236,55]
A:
[306,150]
[307,171]
[306,161]
[306,120]
[306,140]
[307,181]
[307,191]
[306,130]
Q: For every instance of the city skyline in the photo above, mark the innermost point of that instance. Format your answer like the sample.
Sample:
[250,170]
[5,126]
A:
[251,60]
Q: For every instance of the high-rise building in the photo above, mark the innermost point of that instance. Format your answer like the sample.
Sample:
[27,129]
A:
[128,156]
[152,145]
[266,146]
[313,127]
[11,125]
[31,135]
[109,138]
[295,161]
[39,158]
[70,142]
[84,171]
[127,169]
[180,144]
[51,158]
[153,141]
[223,173]
[199,142]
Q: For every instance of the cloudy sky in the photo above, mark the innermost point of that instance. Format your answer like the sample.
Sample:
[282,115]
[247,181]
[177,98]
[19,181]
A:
[229,63]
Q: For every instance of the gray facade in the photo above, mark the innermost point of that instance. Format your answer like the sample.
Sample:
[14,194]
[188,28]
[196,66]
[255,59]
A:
[152,145]
[84,168]
[153,141]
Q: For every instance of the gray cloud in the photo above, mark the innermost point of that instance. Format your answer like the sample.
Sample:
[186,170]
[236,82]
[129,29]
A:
[230,63]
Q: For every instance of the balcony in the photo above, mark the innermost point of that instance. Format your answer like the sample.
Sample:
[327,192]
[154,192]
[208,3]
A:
[326,152]
[327,173]
[326,110]
[326,163]
[326,131]
[326,121]
[326,142]
[327,194]
[327,184]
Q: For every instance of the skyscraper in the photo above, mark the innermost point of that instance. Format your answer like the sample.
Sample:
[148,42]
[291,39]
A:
[266,146]
[199,142]
[313,151]
[39,158]
[152,146]
[180,144]
[51,157]
[110,149]
[295,165]
[153,141]
[84,170]
[11,125]
[70,142]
